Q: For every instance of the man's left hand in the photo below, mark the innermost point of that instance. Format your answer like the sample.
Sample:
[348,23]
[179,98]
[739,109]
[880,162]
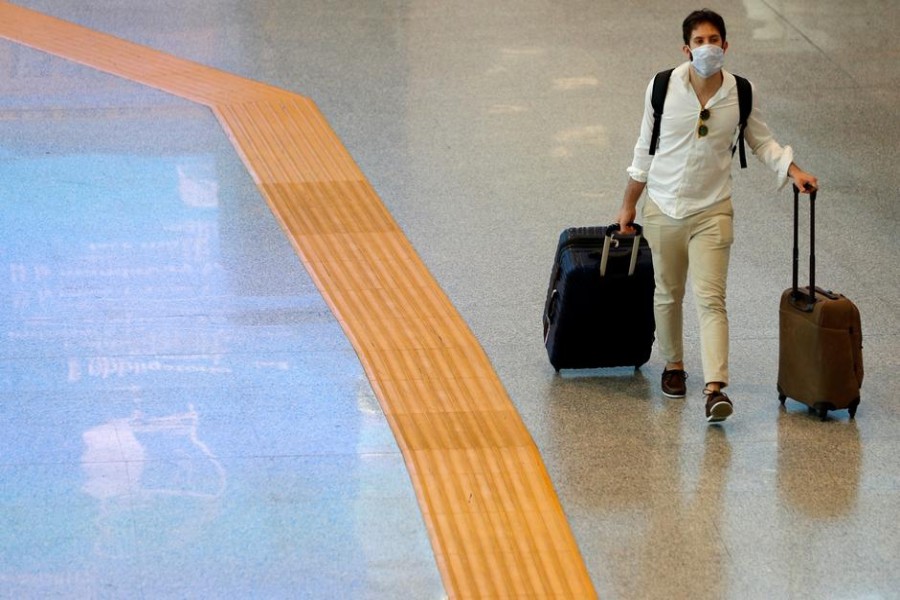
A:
[805,181]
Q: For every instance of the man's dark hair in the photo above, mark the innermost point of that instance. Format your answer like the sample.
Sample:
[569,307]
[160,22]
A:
[702,16]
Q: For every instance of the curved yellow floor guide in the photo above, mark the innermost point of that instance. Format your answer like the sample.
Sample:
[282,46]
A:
[494,520]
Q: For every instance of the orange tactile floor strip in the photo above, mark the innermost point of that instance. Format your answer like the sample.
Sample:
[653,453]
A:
[495,523]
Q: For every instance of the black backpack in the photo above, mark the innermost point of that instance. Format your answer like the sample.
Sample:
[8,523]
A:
[658,99]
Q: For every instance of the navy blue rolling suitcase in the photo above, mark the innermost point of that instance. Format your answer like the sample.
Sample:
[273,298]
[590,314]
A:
[599,306]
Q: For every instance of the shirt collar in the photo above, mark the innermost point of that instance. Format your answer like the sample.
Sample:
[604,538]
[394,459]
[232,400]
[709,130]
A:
[682,73]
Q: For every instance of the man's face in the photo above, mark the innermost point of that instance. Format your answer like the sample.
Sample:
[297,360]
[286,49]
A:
[703,34]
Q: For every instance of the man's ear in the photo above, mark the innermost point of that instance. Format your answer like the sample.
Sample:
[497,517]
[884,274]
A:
[724,46]
[687,52]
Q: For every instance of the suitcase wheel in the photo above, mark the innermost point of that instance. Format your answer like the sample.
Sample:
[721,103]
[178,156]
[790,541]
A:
[819,408]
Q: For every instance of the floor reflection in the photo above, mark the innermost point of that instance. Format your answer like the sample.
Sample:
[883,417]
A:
[147,456]
[182,414]
[664,498]
[819,465]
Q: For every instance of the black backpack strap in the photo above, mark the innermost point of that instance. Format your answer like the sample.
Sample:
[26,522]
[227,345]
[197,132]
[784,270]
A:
[657,101]
[745,105]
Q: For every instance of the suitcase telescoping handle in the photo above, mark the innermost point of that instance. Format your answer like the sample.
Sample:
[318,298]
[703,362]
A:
[796,295]
[608,241]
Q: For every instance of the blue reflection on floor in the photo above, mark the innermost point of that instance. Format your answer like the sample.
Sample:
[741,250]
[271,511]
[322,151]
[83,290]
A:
[181,415]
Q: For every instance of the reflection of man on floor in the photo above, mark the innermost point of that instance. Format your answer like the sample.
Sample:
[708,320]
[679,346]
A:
[682,549]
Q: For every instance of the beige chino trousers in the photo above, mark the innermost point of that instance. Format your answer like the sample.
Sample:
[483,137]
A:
[699,246]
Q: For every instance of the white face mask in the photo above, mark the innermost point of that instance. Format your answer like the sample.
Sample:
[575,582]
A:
[708,60]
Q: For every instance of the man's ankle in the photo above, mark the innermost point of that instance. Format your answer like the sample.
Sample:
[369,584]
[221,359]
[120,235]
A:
[713,386]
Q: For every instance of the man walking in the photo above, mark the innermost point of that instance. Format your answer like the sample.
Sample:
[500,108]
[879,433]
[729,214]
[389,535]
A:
[688,215]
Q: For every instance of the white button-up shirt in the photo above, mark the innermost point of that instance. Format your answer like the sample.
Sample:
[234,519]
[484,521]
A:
[690,173]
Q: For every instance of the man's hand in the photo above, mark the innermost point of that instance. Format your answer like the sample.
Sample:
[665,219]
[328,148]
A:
[628,211]
[806,182]
[626,215]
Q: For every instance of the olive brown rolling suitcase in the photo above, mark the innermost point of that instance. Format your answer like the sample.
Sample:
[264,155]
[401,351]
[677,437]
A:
[820,340]
[599,306]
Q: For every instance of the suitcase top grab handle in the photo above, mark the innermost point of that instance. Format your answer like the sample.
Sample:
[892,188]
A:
[611,231]
[796,295]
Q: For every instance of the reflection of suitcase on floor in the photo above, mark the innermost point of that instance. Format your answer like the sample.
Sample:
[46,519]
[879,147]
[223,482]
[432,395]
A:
[820,340]
[599,307]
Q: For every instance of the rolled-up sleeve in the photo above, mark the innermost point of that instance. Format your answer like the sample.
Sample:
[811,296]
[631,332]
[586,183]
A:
[640,164]
[763,145]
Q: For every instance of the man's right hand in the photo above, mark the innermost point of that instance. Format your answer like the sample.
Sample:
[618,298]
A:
[626,216]
[628,212]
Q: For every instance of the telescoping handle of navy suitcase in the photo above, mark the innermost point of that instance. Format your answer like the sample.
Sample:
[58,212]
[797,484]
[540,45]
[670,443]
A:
[796,295]
[609,240]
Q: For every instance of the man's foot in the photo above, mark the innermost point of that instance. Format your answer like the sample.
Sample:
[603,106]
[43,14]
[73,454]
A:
[673,383]
[718,406]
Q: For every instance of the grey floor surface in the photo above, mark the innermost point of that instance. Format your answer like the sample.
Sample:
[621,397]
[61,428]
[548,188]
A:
[180,415]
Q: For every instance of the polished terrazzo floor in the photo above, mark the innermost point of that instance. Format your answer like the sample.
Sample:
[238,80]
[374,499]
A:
[182,416]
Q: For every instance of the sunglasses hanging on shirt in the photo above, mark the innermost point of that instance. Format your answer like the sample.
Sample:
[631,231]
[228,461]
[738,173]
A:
[703,129]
